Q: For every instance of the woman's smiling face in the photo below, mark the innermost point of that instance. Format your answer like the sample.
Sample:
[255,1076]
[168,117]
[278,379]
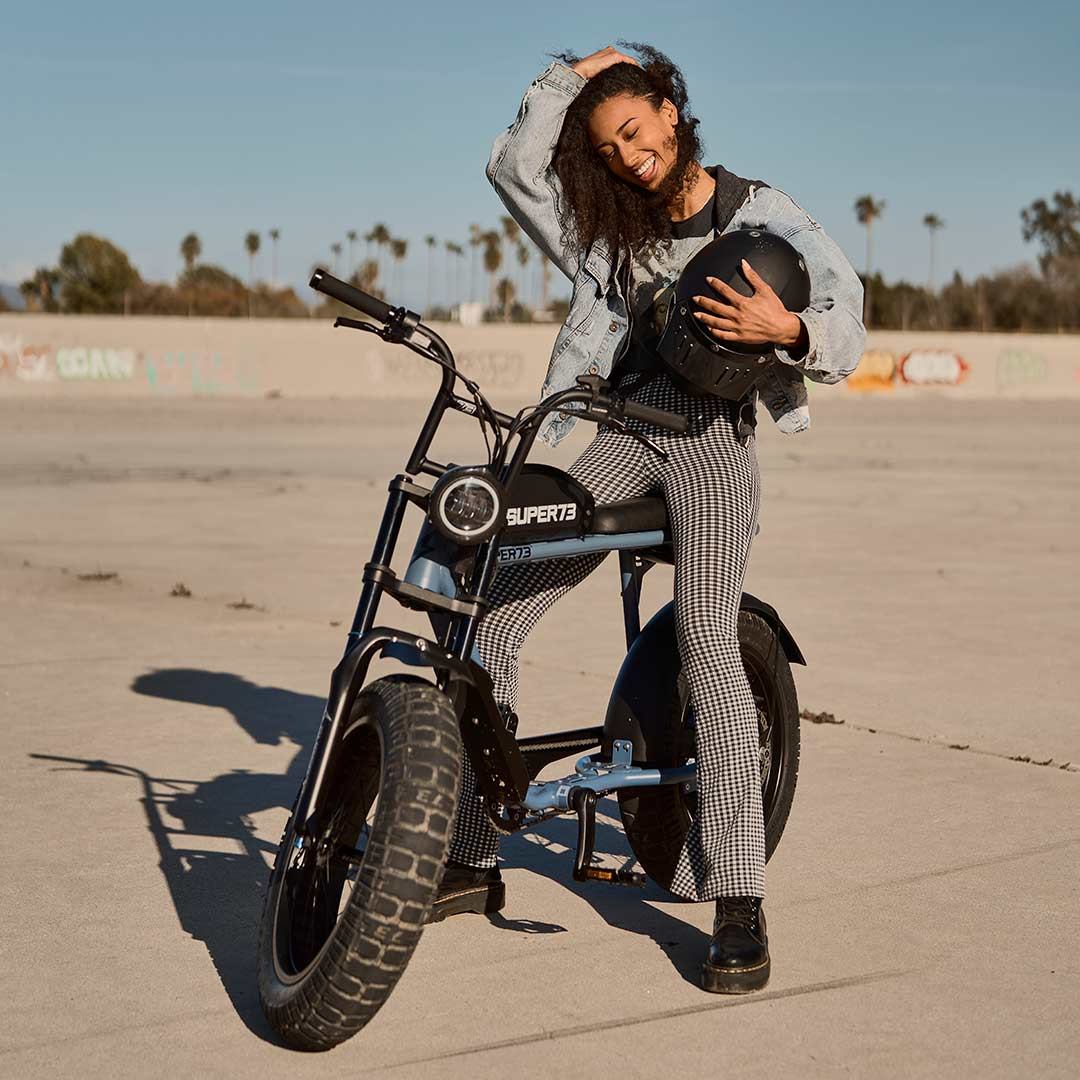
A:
[635,140]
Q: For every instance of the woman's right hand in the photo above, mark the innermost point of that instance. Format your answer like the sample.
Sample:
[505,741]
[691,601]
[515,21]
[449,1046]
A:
[592,65]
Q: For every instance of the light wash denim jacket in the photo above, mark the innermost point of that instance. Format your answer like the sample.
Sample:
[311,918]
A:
[597,323]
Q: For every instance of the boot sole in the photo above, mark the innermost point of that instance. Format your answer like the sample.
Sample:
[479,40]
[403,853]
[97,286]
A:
[482,900]
[734,980]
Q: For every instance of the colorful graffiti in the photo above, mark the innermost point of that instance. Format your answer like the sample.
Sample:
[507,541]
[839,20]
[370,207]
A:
[178,373]
[197,373]
[932,367]
[875,371]
[41,363]
[28,363]
[83,363]
[1017,367]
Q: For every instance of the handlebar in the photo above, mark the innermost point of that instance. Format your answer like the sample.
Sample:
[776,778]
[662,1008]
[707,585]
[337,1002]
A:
[350,295]
[658,417]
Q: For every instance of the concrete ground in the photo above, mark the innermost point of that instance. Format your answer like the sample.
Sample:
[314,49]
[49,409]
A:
[922,906]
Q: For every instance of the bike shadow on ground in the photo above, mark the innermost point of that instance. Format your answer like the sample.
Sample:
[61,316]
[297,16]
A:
[216,866]
[548,850]
[214,863]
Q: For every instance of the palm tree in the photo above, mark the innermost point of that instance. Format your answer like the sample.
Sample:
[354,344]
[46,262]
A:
[39,291]
[933,223]
[510,230]
[251,243]
[545,278]
[867,208]
[275,235]
[507,294]
[190,250]
[492,261]
[398,248]
[351,236]
[476,238]
[448,250]
[336,249]
[523,261]
[381,235]
[459,251]
[430,241]
[367,277]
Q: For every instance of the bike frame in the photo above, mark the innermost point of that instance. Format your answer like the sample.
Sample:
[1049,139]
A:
[503,766]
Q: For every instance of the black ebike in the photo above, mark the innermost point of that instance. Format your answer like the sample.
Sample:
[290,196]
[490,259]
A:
[364,848]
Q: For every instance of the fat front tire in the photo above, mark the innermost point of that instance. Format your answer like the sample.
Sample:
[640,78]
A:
[656,820]
[345,910]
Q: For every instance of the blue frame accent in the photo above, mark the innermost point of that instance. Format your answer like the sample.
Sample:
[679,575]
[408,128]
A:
[603,778]
[562,549]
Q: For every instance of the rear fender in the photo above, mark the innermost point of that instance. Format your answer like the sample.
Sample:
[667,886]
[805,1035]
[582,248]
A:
[649,696]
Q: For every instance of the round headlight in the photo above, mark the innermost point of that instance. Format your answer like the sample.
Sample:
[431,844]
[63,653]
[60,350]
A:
[466,506]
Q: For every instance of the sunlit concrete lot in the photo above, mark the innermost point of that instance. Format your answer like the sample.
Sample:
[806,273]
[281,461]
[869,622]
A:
[922,905]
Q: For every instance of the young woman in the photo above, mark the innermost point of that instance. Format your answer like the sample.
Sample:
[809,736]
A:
[602,169]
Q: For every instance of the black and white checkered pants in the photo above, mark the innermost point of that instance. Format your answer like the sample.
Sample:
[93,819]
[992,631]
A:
[711,485]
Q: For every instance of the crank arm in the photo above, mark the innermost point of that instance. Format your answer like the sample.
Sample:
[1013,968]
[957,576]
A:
[583,801]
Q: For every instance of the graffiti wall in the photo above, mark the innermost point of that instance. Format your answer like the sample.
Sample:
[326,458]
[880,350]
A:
[194,373]
[178,357]
[879,369]
[1018,367]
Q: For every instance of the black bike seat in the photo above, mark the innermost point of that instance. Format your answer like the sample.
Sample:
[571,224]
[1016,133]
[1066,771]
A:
[647,514]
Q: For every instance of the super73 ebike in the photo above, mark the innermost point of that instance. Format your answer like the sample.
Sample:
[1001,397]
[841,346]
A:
[363,851]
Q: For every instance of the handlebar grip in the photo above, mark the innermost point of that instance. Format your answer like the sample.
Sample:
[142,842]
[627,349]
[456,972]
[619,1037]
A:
[348,294]
[658,417]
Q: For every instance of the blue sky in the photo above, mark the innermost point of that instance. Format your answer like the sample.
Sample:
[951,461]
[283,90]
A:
[143,122]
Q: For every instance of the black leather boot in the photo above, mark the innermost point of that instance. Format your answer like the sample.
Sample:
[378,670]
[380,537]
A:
[738,957]
[466,889]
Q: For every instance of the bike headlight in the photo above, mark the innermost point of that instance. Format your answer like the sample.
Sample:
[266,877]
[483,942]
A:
[466,505]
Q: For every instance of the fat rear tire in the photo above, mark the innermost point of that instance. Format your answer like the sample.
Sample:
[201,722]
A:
[322,977]
[656,820]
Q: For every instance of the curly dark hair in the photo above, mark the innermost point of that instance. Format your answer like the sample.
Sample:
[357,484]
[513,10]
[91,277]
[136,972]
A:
[597,204]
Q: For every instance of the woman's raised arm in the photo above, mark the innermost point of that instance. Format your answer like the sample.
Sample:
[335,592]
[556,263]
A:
[520,164]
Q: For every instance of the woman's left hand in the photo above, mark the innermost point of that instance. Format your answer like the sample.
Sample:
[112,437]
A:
[752,320]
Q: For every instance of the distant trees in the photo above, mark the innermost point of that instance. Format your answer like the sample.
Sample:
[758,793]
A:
[351,236]
[275,236]
[1055,226]
[252,242]
[94,275]
[190,250]
[933,223]
[398,249]
[39,291]
[867,210]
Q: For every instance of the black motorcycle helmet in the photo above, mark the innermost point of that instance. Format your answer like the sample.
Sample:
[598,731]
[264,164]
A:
[708,366]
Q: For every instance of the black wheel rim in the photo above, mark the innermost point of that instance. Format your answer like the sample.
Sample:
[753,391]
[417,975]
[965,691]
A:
[322,872]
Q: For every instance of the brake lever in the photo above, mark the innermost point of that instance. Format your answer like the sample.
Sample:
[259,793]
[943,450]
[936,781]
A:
[620,426]
[606,407]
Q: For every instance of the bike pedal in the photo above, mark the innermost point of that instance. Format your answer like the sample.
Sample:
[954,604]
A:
[613,877]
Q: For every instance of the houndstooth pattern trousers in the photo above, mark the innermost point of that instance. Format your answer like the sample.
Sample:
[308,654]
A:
[711,485]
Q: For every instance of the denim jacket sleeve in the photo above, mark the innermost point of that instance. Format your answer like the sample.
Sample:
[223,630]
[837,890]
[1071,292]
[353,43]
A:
[833,318]
[520,165]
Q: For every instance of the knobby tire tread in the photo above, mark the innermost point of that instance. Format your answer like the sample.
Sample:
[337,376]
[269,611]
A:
[373,942]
